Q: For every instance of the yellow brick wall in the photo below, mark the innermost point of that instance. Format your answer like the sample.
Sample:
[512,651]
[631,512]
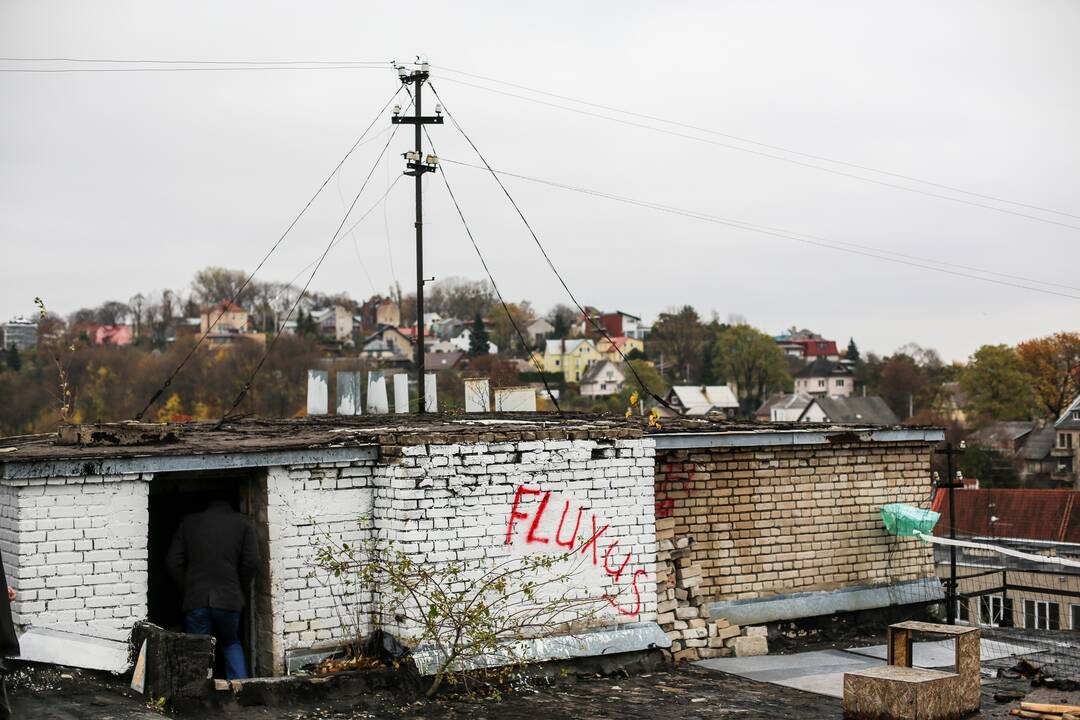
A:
[772,520]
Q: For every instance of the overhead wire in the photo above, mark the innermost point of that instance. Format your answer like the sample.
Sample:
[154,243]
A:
[333,239]
[491,278]
[751,141]
[156,61]
[776,157]
[277,243]
[585,315]
[189,69]
[352,227]
[806,238]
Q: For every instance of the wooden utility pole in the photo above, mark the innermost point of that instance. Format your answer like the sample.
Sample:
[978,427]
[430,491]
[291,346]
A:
[416,165]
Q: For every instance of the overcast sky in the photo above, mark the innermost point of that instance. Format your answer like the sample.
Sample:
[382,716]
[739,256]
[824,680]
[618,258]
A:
[123,182]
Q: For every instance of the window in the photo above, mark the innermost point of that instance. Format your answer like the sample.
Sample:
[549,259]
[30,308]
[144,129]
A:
[821,383]
[840,382]
[1076,414]
[1075,612]
[962,610]
[995,611]
[1041,615]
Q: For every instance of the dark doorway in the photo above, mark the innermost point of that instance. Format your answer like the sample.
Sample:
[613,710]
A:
[173,496]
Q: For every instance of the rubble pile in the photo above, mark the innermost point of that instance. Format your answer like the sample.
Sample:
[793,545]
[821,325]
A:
[682,610]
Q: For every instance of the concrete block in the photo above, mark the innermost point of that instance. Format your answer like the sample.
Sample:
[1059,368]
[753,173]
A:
[756,631]
[750,646]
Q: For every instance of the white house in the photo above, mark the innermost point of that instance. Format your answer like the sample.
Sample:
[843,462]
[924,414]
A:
[602,378]
[825,378]
[703,399]
[461,342]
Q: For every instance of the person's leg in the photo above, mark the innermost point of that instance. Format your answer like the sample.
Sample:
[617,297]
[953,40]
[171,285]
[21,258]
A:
[197,622]
[227,632]
[5,706]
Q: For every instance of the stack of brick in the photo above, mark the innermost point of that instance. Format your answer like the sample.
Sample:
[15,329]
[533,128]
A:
[682,611]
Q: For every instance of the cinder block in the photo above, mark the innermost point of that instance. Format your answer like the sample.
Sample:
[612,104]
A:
[750,646]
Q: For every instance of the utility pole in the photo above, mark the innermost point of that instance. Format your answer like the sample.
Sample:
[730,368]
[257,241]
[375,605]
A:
[952,482]
[416,165]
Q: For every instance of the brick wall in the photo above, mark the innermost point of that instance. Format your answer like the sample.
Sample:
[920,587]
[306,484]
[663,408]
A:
[778,520]
[75,550]
[442,503]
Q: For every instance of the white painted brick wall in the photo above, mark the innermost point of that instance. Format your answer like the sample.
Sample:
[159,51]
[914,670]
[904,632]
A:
[75,550]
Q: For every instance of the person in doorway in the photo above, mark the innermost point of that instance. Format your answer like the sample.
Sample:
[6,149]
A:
[9,641]
[214,557]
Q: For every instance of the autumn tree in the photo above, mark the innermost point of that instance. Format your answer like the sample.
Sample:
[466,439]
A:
[502,331]
[458,298]
[1053,365]
[753,362]
[561,318]
[677,338]
[996,385]
[214,284]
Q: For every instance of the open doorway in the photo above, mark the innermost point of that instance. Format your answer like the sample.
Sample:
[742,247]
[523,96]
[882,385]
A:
[173,496]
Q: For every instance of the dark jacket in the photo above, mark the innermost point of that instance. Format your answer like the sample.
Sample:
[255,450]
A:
[9,641]
[214,556]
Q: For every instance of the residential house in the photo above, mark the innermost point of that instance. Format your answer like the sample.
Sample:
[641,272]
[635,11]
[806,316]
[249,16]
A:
[226,317]
[1029,444]
[1025,593]
[621,323]
[387,344]
[783,407]
[807,346]
[538,331]
[602,378]
[571,357]
[334,322]
[461,342]
[434,361]
[1067,445]
[116,335]
[585,325]
[849,410]
[951,403]
[824,377]
[624,343]
[20,332]
[703,400]
[231,324]
[388,313]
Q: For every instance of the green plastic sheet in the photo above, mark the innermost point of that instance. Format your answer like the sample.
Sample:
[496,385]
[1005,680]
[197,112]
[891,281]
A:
[903,520]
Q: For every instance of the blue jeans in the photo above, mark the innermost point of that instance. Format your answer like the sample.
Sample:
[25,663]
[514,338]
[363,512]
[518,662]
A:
[224,625]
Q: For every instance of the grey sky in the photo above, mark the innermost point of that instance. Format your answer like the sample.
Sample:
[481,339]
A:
[116,183]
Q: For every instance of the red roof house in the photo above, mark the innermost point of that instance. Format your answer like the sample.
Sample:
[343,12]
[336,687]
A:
[1023,514]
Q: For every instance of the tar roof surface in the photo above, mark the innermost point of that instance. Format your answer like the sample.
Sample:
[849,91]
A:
[328,431]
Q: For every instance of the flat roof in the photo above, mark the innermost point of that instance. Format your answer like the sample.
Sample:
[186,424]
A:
[115,447]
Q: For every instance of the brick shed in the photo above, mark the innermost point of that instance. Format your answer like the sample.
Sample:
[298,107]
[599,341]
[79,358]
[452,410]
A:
[85,525]
[785,517]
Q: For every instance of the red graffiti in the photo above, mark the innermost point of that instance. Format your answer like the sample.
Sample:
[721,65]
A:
[533,537]
[514,514]
[674,482]
[568,544]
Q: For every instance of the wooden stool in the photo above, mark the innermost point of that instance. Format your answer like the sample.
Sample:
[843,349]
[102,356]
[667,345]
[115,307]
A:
[898,691]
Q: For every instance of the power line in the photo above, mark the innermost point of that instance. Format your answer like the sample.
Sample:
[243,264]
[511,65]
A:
[547,258]
[247,281]
[318,264]
[341,237]
[188,69]
[772,156]
[791,235]
[155,61]
[758,143]
[491,278]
